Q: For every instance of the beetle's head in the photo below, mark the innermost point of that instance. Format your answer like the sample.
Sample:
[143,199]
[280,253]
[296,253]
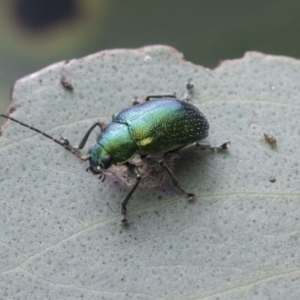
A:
[99,159]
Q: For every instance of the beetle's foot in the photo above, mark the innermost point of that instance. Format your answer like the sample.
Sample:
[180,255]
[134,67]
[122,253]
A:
[225,146]
[190,196]
[190,84]
[124,221]
[135,101]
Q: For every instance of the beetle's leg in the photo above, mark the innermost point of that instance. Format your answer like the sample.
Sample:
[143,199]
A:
[135,101]
[82,143]
[132,172]
[152,161]
[189,90]
[147,98]
[190,196]
[225,146]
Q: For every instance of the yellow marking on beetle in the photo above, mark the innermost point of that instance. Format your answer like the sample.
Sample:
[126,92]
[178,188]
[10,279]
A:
[145,142]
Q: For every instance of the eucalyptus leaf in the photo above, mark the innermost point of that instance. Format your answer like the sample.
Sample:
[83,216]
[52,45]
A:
[239,239]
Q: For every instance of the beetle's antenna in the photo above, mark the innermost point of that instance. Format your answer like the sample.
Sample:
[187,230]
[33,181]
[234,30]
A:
[84,158]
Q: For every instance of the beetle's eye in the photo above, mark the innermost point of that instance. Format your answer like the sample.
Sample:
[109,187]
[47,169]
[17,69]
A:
[106,162]
[98,169]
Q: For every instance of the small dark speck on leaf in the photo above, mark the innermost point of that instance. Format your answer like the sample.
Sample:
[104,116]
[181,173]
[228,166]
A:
[271,140]
[66,84]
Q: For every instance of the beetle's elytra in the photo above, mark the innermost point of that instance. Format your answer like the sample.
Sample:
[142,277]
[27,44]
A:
[160,125]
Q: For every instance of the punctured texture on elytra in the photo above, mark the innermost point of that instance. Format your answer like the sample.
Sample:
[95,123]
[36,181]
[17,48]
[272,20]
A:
[158,126]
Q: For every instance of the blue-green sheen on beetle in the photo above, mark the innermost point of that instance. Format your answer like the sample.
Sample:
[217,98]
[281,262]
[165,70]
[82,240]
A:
[160,125]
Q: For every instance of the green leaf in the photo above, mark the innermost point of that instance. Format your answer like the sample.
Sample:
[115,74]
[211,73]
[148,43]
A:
[59,225]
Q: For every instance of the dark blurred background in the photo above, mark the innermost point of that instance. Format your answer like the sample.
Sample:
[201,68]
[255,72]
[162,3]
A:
[36,33]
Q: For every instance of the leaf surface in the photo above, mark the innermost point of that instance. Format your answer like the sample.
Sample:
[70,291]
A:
[60,234]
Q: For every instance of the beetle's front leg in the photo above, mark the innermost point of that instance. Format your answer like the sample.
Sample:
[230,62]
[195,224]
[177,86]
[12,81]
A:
[225,146]
[132,172]
[147,98]
[135,100]
[84,139]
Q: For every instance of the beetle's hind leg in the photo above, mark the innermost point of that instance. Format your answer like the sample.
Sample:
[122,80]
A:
[132,172]
[190,196]
[225,146]
[152,161]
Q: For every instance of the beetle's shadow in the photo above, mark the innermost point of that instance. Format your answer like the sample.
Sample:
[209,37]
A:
[155,177]
[152,176]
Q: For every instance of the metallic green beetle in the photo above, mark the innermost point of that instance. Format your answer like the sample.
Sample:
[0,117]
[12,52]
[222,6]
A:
[160,126]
